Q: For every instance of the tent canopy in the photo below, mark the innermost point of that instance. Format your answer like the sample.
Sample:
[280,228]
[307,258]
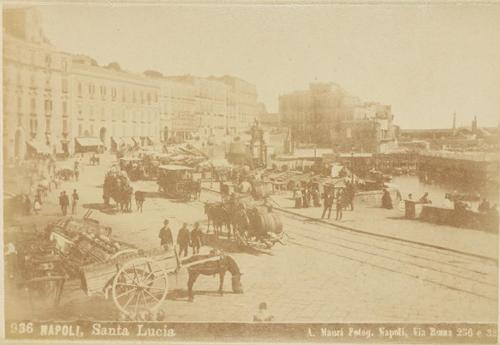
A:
[86,142]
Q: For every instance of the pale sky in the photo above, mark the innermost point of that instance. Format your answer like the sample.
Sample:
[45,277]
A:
[427,61]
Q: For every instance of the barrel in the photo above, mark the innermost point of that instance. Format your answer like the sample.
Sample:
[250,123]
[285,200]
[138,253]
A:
[270,222]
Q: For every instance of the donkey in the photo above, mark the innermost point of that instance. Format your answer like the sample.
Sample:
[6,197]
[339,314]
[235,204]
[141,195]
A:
[220,266]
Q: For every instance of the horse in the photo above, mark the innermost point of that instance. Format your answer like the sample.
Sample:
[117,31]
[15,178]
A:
[219,216]
[220,266]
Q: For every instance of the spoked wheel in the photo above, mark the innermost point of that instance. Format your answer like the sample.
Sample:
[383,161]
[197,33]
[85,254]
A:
[140,285]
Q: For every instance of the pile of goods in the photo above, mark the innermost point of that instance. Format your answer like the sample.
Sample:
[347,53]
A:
[83,241]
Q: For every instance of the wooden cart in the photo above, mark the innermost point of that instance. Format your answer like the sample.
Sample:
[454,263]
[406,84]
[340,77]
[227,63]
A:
[136,282]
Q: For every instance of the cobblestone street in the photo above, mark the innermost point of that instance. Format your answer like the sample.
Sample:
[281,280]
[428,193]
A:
[323,273]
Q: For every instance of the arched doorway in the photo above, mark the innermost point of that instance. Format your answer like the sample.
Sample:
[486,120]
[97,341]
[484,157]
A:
[102,135]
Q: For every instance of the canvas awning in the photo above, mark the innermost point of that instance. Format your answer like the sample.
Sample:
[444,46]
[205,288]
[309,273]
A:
[128,141]
[88,142]
[38,147]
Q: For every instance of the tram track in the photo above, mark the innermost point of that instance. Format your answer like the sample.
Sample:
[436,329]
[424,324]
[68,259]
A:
[456,270]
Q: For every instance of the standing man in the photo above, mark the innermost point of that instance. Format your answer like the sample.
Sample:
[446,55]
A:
[183,239]
[74,201]
[140,197]
[165,235]
[196,235]
[327,203]
[64,203]
[340,204]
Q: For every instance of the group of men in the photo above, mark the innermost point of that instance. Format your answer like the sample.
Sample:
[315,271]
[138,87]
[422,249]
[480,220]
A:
[342,198]
[185,238]
[64,202]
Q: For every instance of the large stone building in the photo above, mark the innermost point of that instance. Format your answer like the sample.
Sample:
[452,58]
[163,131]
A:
[35,87]
[117,107]
[327,116]
[55,102]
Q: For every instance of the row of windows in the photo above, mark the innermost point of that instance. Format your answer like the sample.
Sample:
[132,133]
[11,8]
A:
[127,95]
[120,131]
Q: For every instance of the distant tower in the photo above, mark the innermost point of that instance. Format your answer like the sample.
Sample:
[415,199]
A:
[454,123]
[474,125]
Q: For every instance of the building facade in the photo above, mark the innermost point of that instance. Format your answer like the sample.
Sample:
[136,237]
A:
[115,106]
[35,87]
[327,116]
[55,102]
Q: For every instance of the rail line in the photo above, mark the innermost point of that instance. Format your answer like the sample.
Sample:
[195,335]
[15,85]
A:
[408,242]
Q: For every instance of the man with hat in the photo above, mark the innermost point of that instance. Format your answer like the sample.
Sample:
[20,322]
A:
[165,235]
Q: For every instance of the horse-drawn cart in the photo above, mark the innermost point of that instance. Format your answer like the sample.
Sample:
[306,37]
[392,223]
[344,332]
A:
[136,280]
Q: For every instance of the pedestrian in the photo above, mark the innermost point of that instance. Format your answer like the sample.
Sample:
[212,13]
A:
[263,315]
[350,195]
[315,196]
[183,239]
[340,204]
[165,235]
[74,201]
[386,200]
[298,198]
[196,238]
[305,198]
[327,203]
[484,206]
[77,174]
[64,202]
[37,205]
[140,197]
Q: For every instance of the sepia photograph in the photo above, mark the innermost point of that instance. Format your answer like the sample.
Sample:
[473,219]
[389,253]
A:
[252,172]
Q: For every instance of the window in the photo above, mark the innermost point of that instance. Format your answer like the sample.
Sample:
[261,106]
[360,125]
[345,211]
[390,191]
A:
[64,108]
[65,126]
[149,98]
[91,130]
[47,125]
[80,113]
[19,104]
[33,106]
[19,119]
[142,97]
[64,65]
[48,106]
[124,98]
[91,113]
[79,89]
[103,116]
[91,90]
[134,98]
[48,61]
[33,125]
[64,85]
[113,94]
[80,129]
[103,92]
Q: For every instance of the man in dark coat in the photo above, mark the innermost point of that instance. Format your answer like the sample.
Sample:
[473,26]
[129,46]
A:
[196,241]
[166,239]
[327,203]
[64,202]
[183,239]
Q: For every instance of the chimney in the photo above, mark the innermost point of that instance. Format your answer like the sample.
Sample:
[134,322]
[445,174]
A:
[474,125]
[454,123]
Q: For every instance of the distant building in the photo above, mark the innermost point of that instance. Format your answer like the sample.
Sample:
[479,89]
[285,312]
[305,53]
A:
[52,100]
[473,138]
[326,115]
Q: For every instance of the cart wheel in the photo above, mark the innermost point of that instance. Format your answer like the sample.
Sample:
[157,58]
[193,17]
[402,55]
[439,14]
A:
[140,285]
